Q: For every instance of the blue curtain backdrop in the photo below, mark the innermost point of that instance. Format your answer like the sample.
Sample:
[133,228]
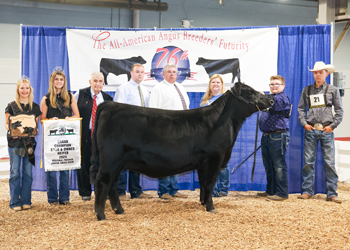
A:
[44,48]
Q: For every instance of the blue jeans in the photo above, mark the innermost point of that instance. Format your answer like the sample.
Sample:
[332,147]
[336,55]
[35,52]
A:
[168,185]
[20,186]
[52,194]
[311,139]
[273,150]
[134,184]
[224,178]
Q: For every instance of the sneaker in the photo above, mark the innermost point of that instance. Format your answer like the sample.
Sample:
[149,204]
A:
[222,194]
[144,196]
[55,203]
[66,203]
[26,207]
[123,198]
[264,194]
[276,198]
[166,196]
[179,195]
[17,209]
[86,198]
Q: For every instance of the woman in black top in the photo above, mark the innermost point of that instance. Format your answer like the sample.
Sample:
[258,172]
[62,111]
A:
[59,103]
[20,194]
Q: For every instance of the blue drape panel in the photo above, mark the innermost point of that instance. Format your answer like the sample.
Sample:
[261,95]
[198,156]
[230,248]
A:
[299,47]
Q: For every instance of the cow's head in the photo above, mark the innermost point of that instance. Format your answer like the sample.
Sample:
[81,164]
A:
[250,96]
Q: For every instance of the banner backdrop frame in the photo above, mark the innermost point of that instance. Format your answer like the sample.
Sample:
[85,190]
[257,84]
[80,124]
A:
[299,47]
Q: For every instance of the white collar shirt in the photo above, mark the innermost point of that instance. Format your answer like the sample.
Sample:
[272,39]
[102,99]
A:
[165,96]
[129,93]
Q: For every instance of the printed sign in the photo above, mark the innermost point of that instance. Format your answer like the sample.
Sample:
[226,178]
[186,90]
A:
[62,144]
[247,55]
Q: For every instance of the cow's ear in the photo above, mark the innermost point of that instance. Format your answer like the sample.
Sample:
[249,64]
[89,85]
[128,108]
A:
[238,87]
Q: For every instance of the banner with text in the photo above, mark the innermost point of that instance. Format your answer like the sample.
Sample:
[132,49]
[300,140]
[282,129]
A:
[248,55]
[62,144]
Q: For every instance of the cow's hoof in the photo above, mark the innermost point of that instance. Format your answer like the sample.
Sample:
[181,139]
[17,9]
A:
[99,218]
[213,211]
[119,211]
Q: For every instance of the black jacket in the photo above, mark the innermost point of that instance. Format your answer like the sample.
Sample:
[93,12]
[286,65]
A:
[85,103]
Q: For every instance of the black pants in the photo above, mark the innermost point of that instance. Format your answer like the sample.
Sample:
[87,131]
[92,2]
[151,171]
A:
[83,174]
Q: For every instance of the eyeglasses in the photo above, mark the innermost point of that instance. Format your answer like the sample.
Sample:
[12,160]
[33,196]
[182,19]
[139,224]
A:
[275,85]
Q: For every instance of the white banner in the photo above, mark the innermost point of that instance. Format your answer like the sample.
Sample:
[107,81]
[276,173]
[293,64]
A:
[248,55]
[62,144]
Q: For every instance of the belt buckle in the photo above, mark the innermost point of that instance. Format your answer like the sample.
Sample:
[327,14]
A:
[318,126]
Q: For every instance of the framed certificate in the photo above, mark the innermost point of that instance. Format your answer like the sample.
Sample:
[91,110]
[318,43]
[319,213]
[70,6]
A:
[23,125]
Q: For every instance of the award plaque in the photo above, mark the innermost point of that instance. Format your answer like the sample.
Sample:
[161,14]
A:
[23,125]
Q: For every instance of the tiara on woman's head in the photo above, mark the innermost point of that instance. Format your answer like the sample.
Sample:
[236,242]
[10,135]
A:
[58,69]
[25,78]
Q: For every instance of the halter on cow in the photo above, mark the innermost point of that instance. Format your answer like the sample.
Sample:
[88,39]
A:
[160,143]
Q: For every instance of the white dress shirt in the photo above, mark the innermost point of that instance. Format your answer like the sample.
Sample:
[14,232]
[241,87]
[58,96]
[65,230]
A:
[129,93]
[99,99]
[165,96]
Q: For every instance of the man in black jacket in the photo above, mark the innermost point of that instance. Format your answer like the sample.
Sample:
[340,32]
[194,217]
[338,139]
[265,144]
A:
[88,99]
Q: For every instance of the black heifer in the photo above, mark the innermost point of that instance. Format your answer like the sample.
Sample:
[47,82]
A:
[221,66]
[119,66]
[161,143]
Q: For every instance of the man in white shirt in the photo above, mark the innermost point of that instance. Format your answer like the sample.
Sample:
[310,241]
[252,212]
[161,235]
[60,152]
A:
[133,93]
[172,96]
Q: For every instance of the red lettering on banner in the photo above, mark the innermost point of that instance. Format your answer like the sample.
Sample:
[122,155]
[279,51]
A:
[198,38]
[184,55]
[100,37]
[114,44]
[233,46]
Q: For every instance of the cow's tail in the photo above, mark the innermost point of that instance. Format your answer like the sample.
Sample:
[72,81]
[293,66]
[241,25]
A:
[95,159]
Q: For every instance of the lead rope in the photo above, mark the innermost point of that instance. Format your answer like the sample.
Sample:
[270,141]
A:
[256,142]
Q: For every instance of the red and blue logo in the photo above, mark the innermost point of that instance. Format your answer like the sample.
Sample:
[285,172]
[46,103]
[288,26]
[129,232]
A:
[170,55]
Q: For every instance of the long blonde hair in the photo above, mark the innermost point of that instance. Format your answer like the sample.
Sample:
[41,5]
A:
[52,90]
[208,94]
[24,79]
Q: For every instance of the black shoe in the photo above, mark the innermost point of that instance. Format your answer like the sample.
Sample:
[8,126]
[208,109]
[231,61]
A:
[66,203]
[263,194]
[86,198]
[55,203]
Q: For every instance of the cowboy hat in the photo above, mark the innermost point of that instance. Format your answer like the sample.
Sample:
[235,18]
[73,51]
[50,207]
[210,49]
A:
[321,65]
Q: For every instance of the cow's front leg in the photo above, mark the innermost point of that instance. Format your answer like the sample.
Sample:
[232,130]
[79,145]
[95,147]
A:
[209,176]
[209,200]
[114,199]
[101,190]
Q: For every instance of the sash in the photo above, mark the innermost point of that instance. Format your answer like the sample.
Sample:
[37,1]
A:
[60,105]
[28,149]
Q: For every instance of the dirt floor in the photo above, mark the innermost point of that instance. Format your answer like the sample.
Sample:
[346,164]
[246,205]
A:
[243,221]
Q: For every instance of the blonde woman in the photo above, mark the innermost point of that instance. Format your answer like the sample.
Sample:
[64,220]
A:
[215,89]
[20,187]
[59,103]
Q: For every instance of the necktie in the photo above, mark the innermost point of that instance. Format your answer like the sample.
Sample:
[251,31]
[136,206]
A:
[181,97]
[93,113]
[141,96]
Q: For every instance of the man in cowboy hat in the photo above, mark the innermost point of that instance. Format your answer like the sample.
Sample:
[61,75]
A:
[316,116]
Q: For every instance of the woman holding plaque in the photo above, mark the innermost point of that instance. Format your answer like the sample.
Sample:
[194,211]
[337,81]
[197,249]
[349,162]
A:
[215,89]
[21,186]
[58,103]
